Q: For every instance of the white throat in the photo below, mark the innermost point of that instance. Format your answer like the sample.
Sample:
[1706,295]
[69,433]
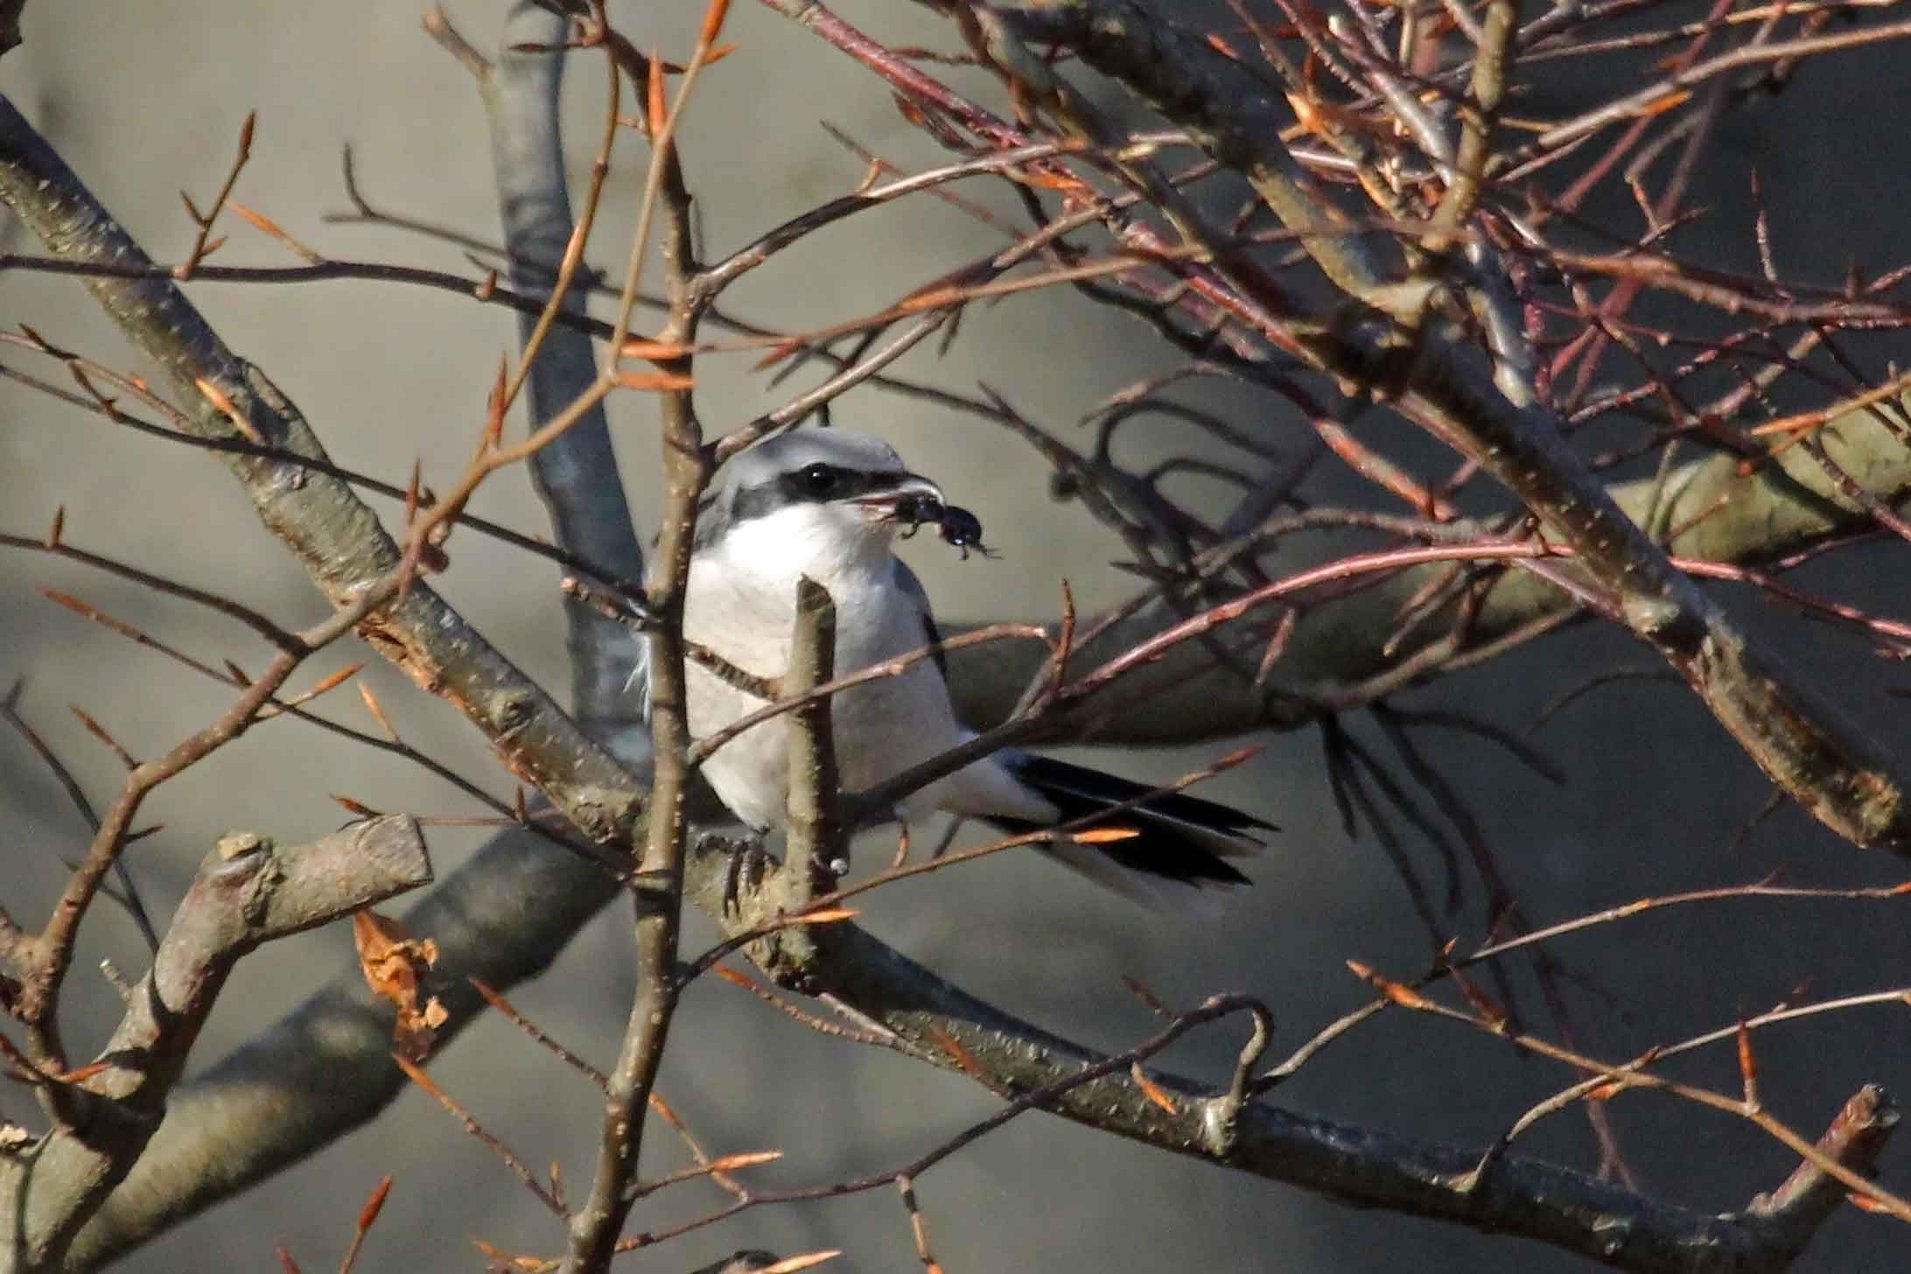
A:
[836,546]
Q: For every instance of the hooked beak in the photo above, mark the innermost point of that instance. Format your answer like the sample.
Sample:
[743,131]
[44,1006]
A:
[891,497]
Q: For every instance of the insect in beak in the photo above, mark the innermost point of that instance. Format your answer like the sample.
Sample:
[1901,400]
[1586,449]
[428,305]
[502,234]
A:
[958,527]
[962,529]
[909,499]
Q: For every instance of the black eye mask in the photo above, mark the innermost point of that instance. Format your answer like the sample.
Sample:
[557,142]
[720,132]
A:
[813,484]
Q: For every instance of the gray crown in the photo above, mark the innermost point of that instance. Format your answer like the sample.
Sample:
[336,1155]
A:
[752,484]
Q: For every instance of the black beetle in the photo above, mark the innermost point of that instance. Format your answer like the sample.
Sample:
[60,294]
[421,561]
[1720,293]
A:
[963,530]
[958,527]
[913,510]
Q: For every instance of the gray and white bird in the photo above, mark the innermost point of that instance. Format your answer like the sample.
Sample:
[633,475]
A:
[828,505]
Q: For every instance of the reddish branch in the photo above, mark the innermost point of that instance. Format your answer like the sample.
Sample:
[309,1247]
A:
[1391,340]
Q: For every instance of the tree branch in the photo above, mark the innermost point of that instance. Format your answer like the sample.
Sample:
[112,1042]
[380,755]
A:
[10,11]
[1725,515]
[515,908]
[325,1069]
[943,1025]
[814,832]
[595,1227]
[577,475]
[334,535]
[249,891]
[1390,339]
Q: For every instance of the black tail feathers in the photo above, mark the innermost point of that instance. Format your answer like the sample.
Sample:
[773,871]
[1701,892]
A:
[1182,839]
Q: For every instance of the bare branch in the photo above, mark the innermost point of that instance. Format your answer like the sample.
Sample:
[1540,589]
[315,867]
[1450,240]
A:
[1787,505]
[333,534]
[1391,340]
[687,467]
[1555,1205]
[815,833]
[249,891]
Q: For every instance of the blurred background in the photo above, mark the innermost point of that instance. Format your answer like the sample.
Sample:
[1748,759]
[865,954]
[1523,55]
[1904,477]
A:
[146,99]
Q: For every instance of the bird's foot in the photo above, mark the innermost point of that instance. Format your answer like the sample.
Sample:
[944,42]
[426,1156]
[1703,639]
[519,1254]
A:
[746,866]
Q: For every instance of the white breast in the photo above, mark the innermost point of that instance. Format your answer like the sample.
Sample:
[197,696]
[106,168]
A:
[741,603]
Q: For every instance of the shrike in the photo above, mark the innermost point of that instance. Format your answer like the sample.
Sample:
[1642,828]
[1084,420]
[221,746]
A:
[829,505]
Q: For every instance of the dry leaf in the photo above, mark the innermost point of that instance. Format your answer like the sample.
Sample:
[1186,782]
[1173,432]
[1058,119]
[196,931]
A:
[229,409]
[1049,179]
[259,220]
[778,352]
[1747,1066]
[81,1074]
[374,1205]
[1146,995]
[713,22]
[394,964]
[1482,1003]
[825,916]
[377,710]
[656,110]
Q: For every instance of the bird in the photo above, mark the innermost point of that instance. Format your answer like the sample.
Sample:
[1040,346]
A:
[830,504]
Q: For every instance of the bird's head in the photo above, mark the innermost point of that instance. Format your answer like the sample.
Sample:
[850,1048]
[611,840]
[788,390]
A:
[814,502]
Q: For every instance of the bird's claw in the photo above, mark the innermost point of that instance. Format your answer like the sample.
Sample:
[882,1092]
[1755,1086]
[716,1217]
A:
[745,868]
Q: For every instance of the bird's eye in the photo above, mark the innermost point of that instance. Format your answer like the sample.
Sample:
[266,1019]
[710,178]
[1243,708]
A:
[818,479]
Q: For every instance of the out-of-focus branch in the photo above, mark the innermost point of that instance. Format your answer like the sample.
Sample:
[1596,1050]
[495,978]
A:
[577,474]
[507,913]
[1719,512]
[248,891]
